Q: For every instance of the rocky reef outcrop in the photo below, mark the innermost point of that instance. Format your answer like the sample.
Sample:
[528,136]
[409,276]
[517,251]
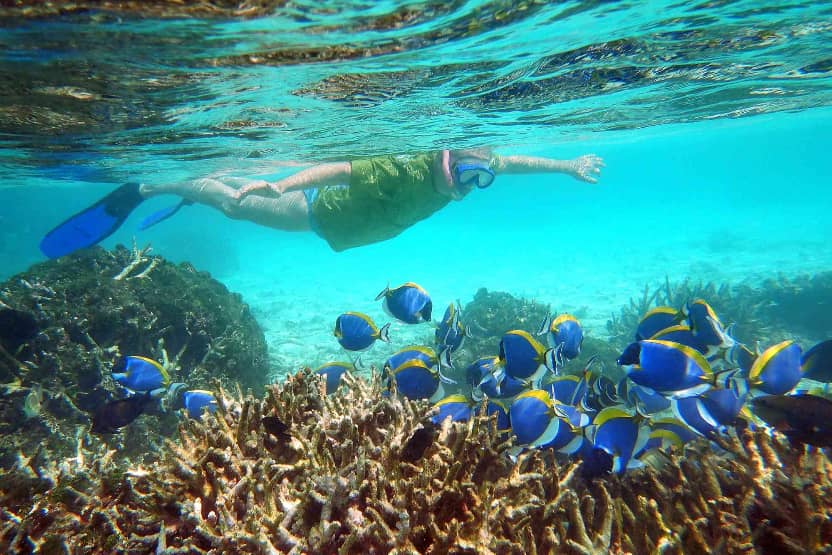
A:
[87,310]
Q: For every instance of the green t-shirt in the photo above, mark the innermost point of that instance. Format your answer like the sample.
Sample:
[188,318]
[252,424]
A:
[386,195]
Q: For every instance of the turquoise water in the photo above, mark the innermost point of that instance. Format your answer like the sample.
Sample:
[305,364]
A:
[713,121]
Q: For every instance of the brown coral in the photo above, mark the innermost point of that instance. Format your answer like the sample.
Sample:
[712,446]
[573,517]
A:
[339,486]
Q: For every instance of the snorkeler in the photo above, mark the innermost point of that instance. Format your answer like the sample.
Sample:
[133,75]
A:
[349,204]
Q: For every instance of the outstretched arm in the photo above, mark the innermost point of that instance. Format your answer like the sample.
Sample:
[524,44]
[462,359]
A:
[335,173]
[585,168]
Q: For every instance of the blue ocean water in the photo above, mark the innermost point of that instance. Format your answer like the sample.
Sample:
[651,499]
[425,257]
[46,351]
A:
[713,121]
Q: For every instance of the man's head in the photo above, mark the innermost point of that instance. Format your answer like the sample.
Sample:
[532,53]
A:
[465,169]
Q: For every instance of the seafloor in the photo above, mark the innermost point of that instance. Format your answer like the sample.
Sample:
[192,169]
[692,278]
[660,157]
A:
[339,482]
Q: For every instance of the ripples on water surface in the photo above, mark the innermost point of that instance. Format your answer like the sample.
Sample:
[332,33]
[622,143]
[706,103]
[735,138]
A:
[98,92]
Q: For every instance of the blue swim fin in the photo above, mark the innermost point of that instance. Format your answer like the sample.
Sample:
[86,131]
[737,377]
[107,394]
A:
[163,214]
[94,224]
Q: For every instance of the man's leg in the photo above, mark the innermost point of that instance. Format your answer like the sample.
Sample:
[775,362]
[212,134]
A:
[288,212]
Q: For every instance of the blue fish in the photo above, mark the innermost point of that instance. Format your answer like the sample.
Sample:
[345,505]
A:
[356,331]
[408,303]
[680,333]
[742,357]
[534,421]
[674,426]
[727,403]
[630,354]
[140,374]
[706,326]
[692,411]
[657,440]
[569,437]
[564,330]
[817,362]
[498,408]
[711,411]
[671,369]
[644,400]
[523,357]
[655,320]
[778,369]
[198,400]
[482,375]
[451,332]
[425,354]
[618,433]
[601,393]
[456,406]
[416,380]
[333,372]
[568,390]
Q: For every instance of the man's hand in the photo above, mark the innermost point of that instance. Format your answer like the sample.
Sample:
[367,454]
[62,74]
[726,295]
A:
[587,168]
[258,185]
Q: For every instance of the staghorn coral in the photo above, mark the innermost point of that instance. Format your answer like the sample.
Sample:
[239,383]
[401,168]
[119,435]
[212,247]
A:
[338,486]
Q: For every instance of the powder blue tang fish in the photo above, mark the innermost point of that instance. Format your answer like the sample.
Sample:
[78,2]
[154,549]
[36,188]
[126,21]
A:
[674,426]
[140,374]
[671,369]
[525,358]
[655,320]
[451,332]
[333,372]
[409,303]
[680,333]
[569,390]
[421,352]
[569,437]
[565,331]
[196,401]
[620,434]
[644,400]
[706,326]
[715,409]
[534,420]
[356,331]
[498,408]
[457,407]
[416,380]
[778,369]
[482,375]
[817,362]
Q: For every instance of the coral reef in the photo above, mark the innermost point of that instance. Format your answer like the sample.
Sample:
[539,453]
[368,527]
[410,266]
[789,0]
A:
[339,486]
[802,304]
[771,311]
[91,308]
[492,313]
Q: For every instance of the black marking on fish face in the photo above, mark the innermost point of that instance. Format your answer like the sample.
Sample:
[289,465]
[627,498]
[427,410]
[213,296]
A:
[596,463]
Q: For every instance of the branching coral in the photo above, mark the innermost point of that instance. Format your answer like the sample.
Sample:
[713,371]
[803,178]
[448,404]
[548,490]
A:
[339,486]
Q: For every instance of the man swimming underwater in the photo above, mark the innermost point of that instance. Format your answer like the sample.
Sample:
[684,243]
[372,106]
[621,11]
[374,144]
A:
[349,204]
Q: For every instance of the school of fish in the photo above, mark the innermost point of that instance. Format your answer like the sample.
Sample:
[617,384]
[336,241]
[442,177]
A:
[685,376]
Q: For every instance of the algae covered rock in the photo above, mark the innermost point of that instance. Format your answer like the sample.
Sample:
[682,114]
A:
[493,313]
[85,320]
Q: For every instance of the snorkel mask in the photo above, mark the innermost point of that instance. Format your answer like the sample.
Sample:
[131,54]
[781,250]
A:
[470,174]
